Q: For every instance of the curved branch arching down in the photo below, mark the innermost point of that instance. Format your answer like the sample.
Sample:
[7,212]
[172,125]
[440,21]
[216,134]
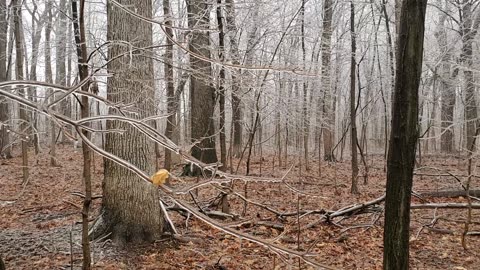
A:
[159,138]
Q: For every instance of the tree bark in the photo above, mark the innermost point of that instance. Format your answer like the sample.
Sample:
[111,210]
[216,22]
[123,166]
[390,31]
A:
[328,115]
[131,209]
[404,135]
[202,93]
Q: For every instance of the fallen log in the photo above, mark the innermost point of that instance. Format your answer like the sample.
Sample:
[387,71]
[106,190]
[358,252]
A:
[451,193]
[444,205]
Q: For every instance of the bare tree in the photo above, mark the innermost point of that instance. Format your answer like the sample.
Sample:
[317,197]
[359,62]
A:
[49,79]
[60,55]
[168,69]
[202,92]
[353,112]
[327,102]
[221,84]
[130,209]
[447,90]
[469,28]
[5,149]
[237,112]
[19,58]
[404,135]
[306,121]
[78,15]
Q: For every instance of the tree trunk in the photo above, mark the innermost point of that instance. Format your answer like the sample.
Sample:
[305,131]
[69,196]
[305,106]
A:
[60,56]
[36,34]
[391,49]
[353,112]
[5,149]
[237,112]
[2,264]
[202,93]
[404,135]
[447,90]
[469,30]
[17,18]
[168,69]
[305,116]
[49,79]
[78,16]
[131,209]
[221,87]
[329,126]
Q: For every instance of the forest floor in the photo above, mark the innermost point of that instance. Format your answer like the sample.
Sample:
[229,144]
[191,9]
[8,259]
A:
[40,229]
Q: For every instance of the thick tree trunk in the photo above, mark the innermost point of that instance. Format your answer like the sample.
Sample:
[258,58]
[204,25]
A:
[404,135]
[328,127]
[4,105]
[202,93]
[131,209]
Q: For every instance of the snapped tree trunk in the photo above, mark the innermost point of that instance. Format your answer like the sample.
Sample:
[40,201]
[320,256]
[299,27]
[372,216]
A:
[131,209]
[404,135]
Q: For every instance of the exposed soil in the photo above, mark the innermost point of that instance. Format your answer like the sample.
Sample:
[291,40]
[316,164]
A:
[41,229]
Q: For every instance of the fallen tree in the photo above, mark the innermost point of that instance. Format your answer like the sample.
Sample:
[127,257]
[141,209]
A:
[451,193]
